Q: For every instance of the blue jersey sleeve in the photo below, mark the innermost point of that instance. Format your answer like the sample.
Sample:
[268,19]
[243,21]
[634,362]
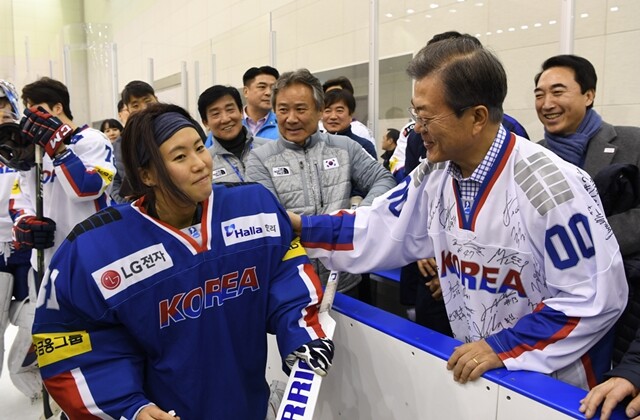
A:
[90,365]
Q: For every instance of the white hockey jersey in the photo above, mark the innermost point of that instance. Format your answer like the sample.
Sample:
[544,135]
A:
[397,160]
[532,266]
[73,185]
[8,178]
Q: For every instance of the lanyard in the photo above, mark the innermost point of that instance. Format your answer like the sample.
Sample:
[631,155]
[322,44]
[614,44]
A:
[234,167]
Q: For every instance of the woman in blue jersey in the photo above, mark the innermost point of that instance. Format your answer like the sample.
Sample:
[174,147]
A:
[164,304]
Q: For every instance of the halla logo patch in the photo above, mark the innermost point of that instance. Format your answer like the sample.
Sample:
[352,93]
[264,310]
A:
[248,228]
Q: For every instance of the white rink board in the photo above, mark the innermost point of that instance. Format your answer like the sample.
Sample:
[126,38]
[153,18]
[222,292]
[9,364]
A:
[378,377]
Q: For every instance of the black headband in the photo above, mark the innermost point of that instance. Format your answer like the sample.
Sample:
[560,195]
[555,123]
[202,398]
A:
[164,126]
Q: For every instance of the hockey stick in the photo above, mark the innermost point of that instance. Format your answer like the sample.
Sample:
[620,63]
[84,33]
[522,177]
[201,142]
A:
[46,405]
[301,393]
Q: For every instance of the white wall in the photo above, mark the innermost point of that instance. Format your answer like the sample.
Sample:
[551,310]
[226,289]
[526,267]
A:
[321,35]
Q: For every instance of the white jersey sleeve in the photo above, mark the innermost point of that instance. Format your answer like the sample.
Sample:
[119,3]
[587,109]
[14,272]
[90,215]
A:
[386,234]
[87,168]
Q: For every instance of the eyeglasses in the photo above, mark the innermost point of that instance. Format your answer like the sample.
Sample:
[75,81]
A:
[425,122]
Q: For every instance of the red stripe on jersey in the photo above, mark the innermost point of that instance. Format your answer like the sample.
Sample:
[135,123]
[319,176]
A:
[588,369]
[204,224]
[13,212]
[204,234]
[73,183]
[496,174]
[311,316]
[562,333]
[456,196]
[64,390]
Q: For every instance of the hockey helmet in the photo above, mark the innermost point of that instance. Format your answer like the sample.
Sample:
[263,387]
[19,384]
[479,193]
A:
[15,152]
[7,90]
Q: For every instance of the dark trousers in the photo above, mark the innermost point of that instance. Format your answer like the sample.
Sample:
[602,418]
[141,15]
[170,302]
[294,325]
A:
[430,313]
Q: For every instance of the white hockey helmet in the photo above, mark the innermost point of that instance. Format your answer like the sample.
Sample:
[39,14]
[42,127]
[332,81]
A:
[7,90]
[15,151]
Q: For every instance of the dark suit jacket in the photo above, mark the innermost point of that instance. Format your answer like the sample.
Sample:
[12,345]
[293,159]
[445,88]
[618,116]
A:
[617,145]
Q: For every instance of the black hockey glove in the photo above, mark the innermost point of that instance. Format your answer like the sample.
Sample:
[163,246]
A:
[318,354]
[40,127]
[32,232]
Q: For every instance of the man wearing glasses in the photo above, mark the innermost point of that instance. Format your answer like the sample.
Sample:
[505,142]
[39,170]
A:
[531,274]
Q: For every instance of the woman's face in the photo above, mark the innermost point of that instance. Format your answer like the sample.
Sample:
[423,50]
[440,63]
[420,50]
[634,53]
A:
[112,133]
[188,163]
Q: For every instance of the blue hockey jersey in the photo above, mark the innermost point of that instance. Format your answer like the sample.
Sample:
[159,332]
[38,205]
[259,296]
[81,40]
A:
[133,311]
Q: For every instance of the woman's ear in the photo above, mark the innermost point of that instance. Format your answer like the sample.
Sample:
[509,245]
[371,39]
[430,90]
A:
[147,177]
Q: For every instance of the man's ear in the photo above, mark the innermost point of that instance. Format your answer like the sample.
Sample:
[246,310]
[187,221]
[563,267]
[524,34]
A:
[57,109]
[480,114]
[590,96]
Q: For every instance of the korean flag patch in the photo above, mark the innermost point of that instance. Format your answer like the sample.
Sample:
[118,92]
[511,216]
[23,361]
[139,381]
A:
[330,163]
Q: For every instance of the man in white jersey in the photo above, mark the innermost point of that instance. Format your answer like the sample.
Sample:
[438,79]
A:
[530,271]
[77,164]
[77,168]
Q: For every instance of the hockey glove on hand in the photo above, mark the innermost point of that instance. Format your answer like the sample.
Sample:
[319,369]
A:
[40,127]
[318,354]
[32,232]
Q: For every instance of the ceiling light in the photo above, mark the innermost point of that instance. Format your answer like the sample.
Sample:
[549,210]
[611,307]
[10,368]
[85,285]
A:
[614,9]
[410,11]
[552,22]
[452,10]
[511,29]
[427,16]
[434,5]
[524,27]
[389,15]
[584,15]
[499,31]
[537,25]
[488,33]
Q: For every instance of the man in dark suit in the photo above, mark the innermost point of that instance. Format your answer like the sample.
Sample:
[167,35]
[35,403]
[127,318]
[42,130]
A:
[564,95]
[565,92]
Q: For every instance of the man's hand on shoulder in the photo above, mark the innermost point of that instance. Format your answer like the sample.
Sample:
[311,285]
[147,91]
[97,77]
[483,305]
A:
[296,222]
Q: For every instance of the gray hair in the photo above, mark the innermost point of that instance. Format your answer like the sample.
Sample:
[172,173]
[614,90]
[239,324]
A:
[300,76]
[470,75]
